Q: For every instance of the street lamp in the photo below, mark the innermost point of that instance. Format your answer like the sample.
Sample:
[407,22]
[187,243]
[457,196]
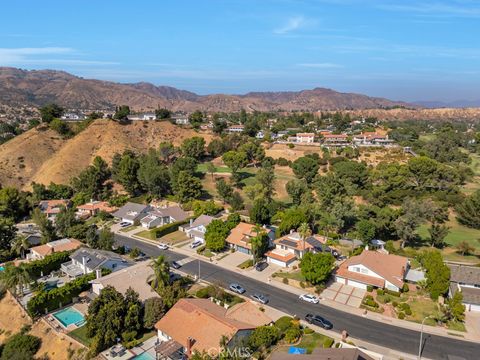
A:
[421,337]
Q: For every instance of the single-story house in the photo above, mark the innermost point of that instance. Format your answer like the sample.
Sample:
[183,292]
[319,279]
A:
[180,119]
[196,229]
[135,277]
[142,117]
[240,237]
[373,268]
[132,212]
[163,216]
[466,279]
[94,207]
[52,207]
[199,325]
[291,247]
[85,261]
[39,252]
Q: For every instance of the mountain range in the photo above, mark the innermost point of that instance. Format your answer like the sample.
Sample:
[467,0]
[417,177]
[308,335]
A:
[38,87]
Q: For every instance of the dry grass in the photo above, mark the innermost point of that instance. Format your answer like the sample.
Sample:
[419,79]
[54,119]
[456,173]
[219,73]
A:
[11,317]
[53,344]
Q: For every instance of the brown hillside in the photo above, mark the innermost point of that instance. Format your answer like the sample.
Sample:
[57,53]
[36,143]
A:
[21,157]
[65,160]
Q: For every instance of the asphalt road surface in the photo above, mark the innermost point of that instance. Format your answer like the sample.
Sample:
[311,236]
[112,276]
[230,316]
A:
[375,332]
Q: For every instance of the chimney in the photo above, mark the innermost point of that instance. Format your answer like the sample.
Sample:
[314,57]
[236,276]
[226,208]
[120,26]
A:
[189,346]
[98,273]
[84,264]
[191,222]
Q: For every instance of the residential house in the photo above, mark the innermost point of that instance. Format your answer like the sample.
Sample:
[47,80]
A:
[235,129]
[372,139]
[132,212]
[260,135]
[85,261]
[291,247]
[466,279]
[199,325]
[180,119]
[135,277]
[196,229]
[92,208]
[373,268]
[241,235]
[163,216]
[52,207]
[39,252]
[305,138]
[73,116]
[335,140]
[142,117]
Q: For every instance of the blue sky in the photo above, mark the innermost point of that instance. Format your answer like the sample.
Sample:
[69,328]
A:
[405,50]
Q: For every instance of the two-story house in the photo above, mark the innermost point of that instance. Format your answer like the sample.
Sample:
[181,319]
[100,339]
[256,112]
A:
[51,208]
[240,237]
[163,216]
[305,138]
[132,212]
[196,229]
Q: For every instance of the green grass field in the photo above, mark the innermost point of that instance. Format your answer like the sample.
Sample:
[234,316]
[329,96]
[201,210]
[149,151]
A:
[312,341]
[80,334]
[218,169]
[458,233]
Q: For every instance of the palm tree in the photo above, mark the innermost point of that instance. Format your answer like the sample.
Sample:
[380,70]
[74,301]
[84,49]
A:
[305,232]
[20,245]
[161,272]
[15,278]
[255,242]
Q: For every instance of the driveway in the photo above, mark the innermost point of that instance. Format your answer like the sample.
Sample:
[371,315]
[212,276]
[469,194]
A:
[344,294]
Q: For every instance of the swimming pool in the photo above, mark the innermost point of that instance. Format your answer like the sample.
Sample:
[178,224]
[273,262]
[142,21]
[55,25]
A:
[144,356]
[2,268]
[69,316]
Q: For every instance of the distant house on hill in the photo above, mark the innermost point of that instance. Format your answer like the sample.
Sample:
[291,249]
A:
[52,207]
[142,117]
[73,116]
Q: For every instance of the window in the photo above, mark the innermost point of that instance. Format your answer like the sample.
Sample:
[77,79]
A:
[364,271]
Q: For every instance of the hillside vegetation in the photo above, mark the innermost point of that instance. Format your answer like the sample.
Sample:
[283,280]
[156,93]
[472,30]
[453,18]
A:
[41,155]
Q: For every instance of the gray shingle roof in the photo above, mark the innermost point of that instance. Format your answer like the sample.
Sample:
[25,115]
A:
[94,258]
[131,211]
[465,274]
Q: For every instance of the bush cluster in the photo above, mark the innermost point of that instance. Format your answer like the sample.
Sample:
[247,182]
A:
[168,228]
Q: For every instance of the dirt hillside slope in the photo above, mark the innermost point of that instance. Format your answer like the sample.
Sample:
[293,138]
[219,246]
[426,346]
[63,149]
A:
[48,158]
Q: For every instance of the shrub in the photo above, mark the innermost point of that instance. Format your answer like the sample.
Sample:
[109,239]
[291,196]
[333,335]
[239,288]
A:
[47,265]
[246,264]
[369,288]
[401,315]
[284,323]
[201,249]
[292,335]
[408,311]
[405,288]
[369,301]
[302,284]
[291,146]
[308,331]
[393,293]
[167,229]
[328,342]
[380,292]
[20,346]
[203,293]
[285,280]
[394,303]
[3,291]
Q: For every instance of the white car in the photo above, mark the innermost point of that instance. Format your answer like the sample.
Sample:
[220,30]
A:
[309,298]
[162,246]
[196,244]
[124,224]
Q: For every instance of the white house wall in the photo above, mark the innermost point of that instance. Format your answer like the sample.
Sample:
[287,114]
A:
[364,271]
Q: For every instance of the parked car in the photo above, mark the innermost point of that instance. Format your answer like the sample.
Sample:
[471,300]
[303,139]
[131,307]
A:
[124,224]
[309,298]
[237,288]
[260,298]
[196,244]
[175,265]
[319,321]
[162,246]
[261,266]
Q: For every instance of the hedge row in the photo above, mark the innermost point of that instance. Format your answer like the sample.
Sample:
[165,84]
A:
[47,265]
[167,229]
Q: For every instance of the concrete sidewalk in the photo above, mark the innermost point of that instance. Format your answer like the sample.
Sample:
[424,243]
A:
[470,336]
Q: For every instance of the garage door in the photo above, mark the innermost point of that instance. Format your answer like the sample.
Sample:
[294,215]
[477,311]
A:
[356,284]
[340,280]
[276,262]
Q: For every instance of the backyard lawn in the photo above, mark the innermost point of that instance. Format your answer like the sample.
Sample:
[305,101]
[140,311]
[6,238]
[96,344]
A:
[312,341]
[80,334]
[294,275]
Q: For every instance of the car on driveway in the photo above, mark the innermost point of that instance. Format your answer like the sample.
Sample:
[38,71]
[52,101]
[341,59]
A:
[162,246]
[260,298]
[236,288]
[261,266]
[309,298]
[175,265]
[196,244]
[318,321]
[124,224]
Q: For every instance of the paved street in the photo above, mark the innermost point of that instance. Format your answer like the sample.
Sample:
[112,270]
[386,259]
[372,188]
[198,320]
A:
[397,338]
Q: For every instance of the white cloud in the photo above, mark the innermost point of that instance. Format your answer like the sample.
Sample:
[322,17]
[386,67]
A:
[13,55]
[320,65]
[292,24]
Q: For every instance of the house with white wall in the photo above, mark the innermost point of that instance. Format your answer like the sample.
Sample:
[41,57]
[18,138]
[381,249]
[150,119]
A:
[466,279]
[196,229]
[163,216]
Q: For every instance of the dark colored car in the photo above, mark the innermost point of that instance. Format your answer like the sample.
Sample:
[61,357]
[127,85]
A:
[319,321]
[262,299]
[175,265]
[261,266]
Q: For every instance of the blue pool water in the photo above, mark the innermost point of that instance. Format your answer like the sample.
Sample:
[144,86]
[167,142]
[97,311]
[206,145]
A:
[2,268]
[69,316]
[144,356]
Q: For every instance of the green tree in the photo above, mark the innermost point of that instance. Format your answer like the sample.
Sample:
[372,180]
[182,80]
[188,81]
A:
[305,233]
[255,152]
[50,112]
[193,147]
[20,347]
[60,126]
[437,273]
[316,268]
[163,113]
[261,213]
[291,218]
[121,112]
[465,248]
[161,273]
[235,160]
[186,164]
[236,201]
[200,207]
[91,182]
[305,168]
[13,203]
[259,243]
[216,147]
[468,212]
[298,191]
[196,119]
[365,230]
[166,151]
[64,221]
[7,236]
[454,308]
[105,239]
[224,190]
[46,226]
[217,232]
[154,311]
[263,337]
[438,233]
[154,176]
[127,173]
[187,187]
[15,278]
